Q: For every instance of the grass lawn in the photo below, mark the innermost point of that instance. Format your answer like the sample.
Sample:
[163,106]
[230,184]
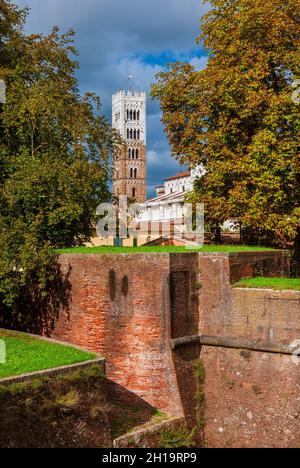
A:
[270,283]
[26,354]
[163,249]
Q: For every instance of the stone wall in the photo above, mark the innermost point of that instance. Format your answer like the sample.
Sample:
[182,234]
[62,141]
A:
[251,399]
[130,306]
[120,308]
[265,315]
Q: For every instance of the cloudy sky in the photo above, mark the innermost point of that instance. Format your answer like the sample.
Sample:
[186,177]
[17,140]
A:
[116,38]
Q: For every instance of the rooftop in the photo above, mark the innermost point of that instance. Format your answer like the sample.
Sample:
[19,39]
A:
[179,176]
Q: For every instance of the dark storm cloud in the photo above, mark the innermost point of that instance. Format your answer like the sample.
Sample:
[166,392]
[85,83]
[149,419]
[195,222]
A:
[116,38]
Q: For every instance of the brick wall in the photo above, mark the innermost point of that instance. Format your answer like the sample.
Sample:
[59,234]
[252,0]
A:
[269,316]
[128,307]
[251,399]
[120,308]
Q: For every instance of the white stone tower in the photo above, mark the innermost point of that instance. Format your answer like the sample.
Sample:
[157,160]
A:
[129,118]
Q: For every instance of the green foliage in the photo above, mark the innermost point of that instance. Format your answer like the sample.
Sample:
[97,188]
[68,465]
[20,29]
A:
[237,118]
[54,156]
[67,401]
[91,372]
[179,437]
[158,416]
[199,371]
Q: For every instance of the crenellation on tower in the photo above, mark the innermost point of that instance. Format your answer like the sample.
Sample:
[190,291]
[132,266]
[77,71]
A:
[129,110]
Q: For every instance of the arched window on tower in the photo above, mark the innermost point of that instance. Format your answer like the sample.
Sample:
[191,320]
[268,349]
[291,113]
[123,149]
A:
[135,173]
[129,153]
[134,115]
[131,134]
[138,115]
[131,115]
[131,173]
[136,154]
[133,193]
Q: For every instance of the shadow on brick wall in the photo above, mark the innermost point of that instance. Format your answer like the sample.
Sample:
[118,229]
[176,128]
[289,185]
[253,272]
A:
[184,305]
[37,312]
[127,410]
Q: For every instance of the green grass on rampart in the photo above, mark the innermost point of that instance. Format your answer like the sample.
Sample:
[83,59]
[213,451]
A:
[161,249]
[26,354]
[281,284]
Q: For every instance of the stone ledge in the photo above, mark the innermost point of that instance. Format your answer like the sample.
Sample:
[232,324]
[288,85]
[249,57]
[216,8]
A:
[146,436]
[99,360]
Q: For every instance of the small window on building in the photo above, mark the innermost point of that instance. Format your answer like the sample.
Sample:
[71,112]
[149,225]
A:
[137,154]
[133,193]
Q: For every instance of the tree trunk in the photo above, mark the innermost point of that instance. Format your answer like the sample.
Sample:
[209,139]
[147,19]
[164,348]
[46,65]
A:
[217,235]
[297,253]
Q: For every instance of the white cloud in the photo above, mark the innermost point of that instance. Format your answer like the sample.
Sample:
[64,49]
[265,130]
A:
[199,62]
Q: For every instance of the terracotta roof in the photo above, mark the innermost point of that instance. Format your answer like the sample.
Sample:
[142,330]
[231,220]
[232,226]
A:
[179,176]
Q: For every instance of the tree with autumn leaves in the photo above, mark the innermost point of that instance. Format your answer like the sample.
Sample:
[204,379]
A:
[237,117]
[55,147]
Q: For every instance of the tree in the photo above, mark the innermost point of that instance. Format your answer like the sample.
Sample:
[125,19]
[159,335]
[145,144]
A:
[54,154]
[238,119]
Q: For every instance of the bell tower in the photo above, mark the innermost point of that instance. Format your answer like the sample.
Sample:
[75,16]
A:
[129,162]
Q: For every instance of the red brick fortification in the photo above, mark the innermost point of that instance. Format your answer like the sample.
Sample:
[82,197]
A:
[121,308]
[129,307]
[251,399]
[268,316]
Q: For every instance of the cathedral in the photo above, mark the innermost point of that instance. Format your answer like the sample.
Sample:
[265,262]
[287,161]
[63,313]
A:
[129,118]
[129,161]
